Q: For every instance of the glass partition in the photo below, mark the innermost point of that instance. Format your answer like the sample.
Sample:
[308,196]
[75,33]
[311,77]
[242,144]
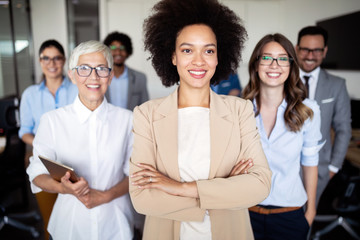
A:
[16,69]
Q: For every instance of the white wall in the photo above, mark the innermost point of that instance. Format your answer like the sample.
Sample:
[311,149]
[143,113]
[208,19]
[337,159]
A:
[127,16]
[288,17]
[48,21]
[259,16]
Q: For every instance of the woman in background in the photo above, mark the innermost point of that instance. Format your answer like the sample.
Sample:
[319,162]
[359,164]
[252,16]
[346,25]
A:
[54,91]
[188,173]
[289,127]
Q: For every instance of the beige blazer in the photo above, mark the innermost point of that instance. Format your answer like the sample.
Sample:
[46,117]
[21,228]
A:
[234,136]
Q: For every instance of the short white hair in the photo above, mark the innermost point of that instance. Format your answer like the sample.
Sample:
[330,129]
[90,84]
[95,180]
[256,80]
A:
[90,47]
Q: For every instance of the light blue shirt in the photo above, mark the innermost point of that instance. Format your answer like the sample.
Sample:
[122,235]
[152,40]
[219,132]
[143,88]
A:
[118,90]
[286,151]
[37,100]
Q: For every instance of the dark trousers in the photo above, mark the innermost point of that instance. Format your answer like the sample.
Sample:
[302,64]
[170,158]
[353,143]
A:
[280,226]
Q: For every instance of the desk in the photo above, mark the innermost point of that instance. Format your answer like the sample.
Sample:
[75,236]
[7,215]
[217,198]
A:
[353,156]
[353,153]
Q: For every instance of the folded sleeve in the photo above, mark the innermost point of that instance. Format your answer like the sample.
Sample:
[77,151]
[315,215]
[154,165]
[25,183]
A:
[312,137]
[27,122]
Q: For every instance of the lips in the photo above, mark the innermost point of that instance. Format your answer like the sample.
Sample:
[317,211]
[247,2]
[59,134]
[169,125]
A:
[93,86]
[52,69]
[117,58]
[197,73]
[309,61]
[273,75]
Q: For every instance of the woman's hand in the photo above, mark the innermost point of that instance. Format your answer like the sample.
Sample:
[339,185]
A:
[78,189]
[241,168]
[93,199]
[310,215]
[149,178]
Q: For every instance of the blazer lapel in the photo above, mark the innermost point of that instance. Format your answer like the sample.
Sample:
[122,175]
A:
[166,134]
[321,87]
[221,127]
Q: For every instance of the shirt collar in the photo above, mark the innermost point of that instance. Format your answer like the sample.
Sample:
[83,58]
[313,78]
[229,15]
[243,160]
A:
[314,74]
[42,85]
[283,104]
[65,83]
[83,113]
[124,75]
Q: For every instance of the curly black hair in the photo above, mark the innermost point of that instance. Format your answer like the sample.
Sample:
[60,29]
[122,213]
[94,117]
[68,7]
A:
[169,17]
[120,37]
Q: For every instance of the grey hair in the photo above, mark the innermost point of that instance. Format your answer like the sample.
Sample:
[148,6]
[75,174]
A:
[90,47]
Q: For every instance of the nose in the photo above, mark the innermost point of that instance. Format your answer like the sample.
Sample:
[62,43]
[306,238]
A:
[274,64]
[198,59]
[52,62]
[93,74]
[117,50]
[310,54]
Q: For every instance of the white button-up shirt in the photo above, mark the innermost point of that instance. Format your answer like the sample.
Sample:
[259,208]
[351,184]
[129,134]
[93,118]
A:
[313,80]
[97,144]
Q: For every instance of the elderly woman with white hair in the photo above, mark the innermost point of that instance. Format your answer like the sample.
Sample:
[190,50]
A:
[95,138]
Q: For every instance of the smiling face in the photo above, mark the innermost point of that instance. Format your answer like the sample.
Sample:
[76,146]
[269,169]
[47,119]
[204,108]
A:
[119,53]
[92,88]
[273,75]
[309,60]
[53,68]
[195,56]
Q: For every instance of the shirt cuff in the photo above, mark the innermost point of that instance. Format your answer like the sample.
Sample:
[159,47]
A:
[333,168]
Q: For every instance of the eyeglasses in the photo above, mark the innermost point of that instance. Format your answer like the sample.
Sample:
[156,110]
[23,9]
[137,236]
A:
[85,71]
[315,51]
[121,48]
[57,59]
[281,61]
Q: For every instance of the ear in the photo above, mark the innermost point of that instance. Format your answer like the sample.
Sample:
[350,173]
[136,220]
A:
[110,77]
[71,76]
[173,59]
[325,51]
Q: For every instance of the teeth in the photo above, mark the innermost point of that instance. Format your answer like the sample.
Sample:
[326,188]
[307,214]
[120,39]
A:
[197,72]
[309,61]
[93,86]
[273,74]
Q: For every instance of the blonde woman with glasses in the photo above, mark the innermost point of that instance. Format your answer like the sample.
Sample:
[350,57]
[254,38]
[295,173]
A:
[95,138]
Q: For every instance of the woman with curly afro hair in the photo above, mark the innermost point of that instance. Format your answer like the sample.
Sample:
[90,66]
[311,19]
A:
[197,161]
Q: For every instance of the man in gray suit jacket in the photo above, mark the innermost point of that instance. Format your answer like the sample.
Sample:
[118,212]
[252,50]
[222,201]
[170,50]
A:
[128,87]
[330,93]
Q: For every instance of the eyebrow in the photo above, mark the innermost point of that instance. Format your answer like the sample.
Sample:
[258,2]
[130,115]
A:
[273,54]
[86,64]
[206,45]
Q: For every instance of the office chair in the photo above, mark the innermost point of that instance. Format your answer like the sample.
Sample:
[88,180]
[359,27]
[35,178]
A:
[13,177]
[346,208]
